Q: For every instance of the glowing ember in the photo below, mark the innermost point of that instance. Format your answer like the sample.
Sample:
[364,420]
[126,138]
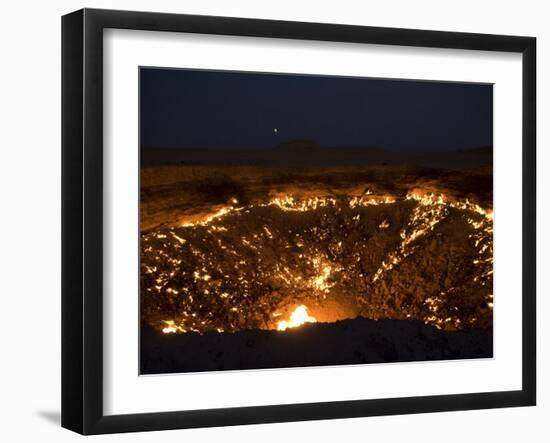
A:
[288,203]
[171,327]
[297,318]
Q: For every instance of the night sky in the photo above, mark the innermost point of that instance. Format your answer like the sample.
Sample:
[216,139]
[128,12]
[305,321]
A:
[229,110]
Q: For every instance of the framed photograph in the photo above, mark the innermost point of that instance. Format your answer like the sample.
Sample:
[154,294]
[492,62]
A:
[269,221]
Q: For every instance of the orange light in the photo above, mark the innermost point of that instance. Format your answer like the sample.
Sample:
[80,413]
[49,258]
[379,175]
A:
[297,318]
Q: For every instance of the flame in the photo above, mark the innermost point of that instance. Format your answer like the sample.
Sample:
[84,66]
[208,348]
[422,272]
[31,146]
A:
[172,327]
[297,318]
[289,203]
[362,201]
[211,217]
[320,282]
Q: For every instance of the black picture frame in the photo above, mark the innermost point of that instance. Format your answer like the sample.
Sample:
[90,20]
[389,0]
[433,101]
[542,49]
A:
[82,219]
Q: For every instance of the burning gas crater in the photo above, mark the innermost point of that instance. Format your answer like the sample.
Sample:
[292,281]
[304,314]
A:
[286,262]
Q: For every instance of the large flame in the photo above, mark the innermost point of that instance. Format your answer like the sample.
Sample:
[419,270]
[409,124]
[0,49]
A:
[297,318]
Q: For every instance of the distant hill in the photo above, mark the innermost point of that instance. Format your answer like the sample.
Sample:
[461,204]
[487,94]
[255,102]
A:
[308,153]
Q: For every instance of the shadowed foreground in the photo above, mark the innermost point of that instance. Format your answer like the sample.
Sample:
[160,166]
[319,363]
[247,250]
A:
[355,341]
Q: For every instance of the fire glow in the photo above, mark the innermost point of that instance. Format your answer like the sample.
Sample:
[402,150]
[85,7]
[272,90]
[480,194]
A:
[237,265]
[298,317]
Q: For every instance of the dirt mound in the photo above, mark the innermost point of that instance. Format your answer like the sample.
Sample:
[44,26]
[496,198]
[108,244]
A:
[357,341]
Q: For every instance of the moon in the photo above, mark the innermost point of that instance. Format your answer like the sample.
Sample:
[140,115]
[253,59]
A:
[275,130]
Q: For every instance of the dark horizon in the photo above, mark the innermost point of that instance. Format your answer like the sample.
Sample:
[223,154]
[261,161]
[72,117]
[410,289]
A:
[274,148]
[223,110]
